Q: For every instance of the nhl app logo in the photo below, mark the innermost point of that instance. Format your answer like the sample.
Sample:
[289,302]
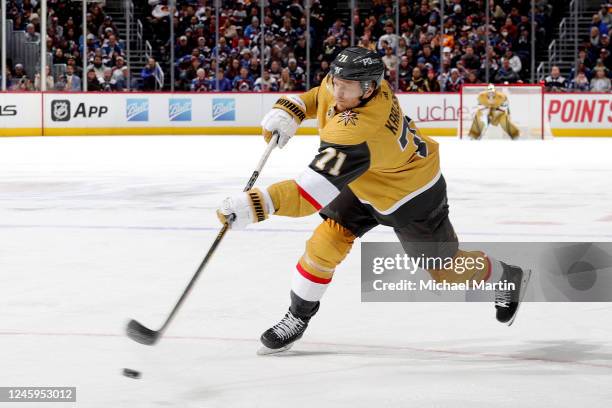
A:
[60,110]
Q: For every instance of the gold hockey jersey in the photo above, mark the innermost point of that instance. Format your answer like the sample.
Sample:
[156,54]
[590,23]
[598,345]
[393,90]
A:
[374,149]
[498,100]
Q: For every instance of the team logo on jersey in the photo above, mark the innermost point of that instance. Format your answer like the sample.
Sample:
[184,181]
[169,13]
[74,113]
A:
[224,109]
[137,110]
[348,116]
[179,110]
[330,112]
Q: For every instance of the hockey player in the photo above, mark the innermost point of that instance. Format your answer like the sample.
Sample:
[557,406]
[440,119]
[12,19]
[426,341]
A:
[373,167]
[493,110]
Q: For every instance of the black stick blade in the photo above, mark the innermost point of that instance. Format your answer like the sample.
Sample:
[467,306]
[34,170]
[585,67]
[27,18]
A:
[141,334]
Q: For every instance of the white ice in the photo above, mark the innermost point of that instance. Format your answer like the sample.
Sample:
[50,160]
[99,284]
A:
[97,230]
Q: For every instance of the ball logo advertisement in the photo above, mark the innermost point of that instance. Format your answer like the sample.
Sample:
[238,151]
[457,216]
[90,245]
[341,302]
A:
[137,110]
[179,110]
[223,109]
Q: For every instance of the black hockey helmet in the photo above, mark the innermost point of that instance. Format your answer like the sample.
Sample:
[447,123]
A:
[359,64]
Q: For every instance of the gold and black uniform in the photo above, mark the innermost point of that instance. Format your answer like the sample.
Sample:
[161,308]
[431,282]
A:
[493,109]
[373,167]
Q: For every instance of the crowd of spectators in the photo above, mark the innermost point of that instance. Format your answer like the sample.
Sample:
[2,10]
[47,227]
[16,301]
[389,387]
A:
[593,68]
[106,71]
[419,55]
[431,49]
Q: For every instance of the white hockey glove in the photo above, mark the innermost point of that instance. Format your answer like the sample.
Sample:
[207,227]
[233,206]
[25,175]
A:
[246,208]
[285,117]
[504,107]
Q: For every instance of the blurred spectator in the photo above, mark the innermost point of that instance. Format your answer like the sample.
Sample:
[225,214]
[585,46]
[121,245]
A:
[600,83]
[118,68]
[514,61]
[93,83]
[337,30]
[601,26]
[296,74]
[454,81]
[472,78]
[72,81]
[286,83]
[605,16]
[506,74]
[31,34]
[225,85]
[594,37]
[470,60]
[555,82]
[580,83]
[243,82]
[148,75]
[330,49]
[19,73]
[107,82]
[390,38]
[48,79]
[417,83]
[390,60]
[266,83]
[431,82]
[200,83]
[97,66]
[365,42]
[111,49]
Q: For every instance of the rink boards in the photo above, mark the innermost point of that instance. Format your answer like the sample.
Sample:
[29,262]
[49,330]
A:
[61,114]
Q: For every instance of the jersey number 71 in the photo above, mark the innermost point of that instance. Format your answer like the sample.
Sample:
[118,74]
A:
[421,146]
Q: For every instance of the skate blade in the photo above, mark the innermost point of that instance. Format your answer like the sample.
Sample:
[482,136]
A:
[524,284]
[265,351]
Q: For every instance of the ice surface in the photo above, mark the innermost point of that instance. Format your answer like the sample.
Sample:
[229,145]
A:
[94,231]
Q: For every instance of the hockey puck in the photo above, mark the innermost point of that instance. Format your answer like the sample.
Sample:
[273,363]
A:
[128,372]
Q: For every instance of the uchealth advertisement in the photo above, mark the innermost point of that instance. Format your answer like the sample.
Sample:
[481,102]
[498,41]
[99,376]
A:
[435,114]
[56,114]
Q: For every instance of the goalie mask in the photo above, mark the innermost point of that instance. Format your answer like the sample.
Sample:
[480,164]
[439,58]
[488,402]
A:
[359,64]
[491,92]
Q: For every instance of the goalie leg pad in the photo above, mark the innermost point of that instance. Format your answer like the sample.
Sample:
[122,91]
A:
[478,125]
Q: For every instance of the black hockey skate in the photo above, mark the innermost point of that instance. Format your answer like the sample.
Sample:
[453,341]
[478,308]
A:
[508,301]
[290,329]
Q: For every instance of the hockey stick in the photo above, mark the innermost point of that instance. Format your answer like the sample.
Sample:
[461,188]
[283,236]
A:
[144,335]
